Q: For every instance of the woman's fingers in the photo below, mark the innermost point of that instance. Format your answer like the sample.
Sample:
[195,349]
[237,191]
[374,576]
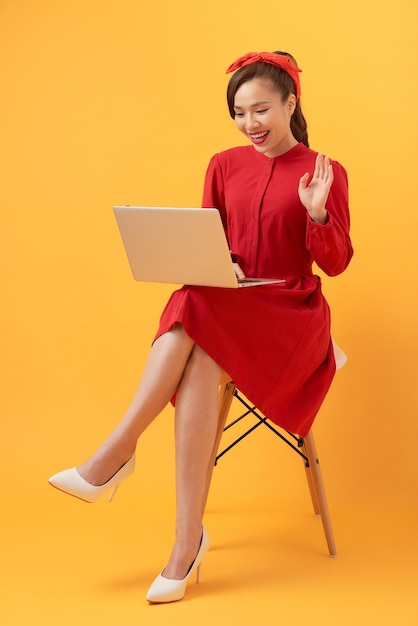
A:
[330,173]
[319,165]
[303,181]
[238,271]
[323,169]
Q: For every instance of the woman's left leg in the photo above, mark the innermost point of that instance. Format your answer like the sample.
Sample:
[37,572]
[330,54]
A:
[196,420]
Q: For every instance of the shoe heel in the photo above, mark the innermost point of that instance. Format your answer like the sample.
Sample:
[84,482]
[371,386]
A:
[198,574]
[112,493]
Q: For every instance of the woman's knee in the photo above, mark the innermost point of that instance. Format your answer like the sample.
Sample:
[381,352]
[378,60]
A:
[201,364]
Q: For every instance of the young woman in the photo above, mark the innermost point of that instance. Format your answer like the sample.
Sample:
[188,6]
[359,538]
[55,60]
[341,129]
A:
[283,207]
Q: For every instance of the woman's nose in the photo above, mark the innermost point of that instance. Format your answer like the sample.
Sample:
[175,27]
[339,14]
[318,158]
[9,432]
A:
[250,123]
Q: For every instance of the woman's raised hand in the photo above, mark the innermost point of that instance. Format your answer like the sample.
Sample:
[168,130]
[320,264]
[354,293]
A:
[314,196]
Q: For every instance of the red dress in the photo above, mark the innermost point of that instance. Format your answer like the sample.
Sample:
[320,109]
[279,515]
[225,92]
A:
[273,340]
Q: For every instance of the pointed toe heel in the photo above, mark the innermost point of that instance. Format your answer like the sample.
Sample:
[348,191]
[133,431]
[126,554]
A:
[69,481]
[169,590]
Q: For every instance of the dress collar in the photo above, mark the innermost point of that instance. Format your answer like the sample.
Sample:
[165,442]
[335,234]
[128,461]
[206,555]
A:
[293,153]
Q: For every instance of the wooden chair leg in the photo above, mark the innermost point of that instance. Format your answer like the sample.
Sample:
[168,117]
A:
[311,485]
[317,489]
[226,395]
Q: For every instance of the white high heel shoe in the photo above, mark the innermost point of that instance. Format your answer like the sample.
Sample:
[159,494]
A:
[169,590]
[72,483]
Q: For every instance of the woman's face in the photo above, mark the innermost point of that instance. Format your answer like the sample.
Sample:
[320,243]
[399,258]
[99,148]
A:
[262,116]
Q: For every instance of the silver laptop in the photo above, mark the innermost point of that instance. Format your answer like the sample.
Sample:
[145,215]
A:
[179,245]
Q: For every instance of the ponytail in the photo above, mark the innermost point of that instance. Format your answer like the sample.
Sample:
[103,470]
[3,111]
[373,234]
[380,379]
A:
[298,125]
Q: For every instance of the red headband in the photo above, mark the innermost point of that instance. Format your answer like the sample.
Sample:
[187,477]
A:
[281,60]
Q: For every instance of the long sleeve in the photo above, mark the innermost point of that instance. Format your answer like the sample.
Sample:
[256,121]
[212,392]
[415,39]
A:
[330,244]
[213,191]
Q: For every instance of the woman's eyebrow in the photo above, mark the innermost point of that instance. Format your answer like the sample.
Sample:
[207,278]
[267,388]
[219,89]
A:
[256,104]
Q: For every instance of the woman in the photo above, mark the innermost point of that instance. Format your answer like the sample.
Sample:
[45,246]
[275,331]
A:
[283,207]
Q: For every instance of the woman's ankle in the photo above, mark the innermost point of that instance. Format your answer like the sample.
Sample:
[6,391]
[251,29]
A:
[104,464]
[184,552]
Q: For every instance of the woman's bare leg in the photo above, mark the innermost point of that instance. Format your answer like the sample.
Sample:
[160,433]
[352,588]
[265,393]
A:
[161,377]
[175,362]
[196,427]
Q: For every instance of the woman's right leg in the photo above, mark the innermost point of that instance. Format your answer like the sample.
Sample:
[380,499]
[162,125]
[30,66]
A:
[161,377]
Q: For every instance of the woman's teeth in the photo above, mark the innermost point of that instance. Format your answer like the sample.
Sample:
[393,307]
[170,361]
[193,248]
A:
[259,137]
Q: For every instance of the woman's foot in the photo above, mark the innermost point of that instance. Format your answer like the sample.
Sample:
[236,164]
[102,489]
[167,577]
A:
[71,482]
[105,463]
[165,589]
[183,554]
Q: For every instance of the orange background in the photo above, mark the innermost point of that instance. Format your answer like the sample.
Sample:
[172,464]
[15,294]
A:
[109,103]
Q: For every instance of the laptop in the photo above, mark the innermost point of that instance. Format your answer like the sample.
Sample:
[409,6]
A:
[179,245]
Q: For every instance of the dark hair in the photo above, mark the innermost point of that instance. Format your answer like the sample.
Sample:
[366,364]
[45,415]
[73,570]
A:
[281,82]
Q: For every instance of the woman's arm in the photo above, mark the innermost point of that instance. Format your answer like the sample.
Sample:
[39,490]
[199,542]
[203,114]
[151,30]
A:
[328,221]
[214,197]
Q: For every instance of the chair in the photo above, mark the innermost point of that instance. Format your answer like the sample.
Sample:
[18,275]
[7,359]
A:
[304,446]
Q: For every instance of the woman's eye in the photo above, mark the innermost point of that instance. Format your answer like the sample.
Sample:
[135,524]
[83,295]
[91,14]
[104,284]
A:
[262,111]
[239,114]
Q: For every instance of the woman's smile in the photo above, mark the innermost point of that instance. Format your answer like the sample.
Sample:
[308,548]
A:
[260,137]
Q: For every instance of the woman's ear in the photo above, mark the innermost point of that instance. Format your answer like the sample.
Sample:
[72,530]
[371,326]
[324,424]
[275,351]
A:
[291,103]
